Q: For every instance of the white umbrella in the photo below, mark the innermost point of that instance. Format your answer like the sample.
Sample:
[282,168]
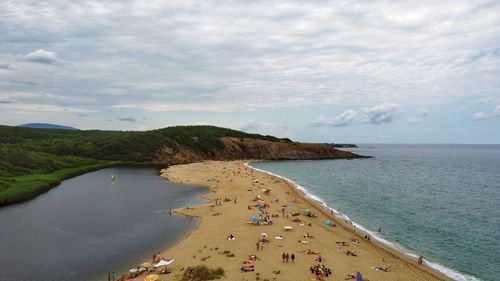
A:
[288,227]
[263,234]
[163,263]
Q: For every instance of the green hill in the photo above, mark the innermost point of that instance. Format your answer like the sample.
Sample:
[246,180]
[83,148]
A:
[34,160]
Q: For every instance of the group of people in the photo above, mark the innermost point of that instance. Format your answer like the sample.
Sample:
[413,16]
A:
[286,257]
[320,271]
[248,264]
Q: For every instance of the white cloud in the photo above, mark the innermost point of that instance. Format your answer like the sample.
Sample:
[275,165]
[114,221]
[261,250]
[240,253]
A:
[261,54]
[483,116]
[41,56]
[376,115]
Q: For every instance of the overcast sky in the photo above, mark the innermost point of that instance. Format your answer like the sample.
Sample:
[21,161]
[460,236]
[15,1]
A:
[324,71]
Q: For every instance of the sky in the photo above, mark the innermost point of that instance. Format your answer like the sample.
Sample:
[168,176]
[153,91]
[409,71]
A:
[313,71]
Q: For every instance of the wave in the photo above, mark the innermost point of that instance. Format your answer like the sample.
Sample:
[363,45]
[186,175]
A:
[455,275]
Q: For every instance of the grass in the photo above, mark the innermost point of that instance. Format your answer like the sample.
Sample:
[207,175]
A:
[202,273]
[20,188]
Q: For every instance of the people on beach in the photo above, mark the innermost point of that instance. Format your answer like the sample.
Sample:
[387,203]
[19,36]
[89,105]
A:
[420,260]
[283,256]
[287,257]
[293,258]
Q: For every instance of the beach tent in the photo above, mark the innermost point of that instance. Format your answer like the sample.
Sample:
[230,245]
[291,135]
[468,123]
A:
[254,219]
[359,277]
[163,263]
[152,277]
[306,211]
[261,206]
[328,222]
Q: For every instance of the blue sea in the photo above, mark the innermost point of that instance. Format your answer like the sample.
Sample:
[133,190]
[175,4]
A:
[439,201]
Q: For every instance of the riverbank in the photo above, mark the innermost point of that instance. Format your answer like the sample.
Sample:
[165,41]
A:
[24,188]
[209,245]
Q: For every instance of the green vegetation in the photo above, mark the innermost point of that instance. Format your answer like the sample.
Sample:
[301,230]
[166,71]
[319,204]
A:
[202,273]
[34,160]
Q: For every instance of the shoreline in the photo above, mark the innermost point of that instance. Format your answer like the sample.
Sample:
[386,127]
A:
[214,176]
[344,220]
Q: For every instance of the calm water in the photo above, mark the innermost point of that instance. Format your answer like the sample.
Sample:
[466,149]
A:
[90,225]
[441,201]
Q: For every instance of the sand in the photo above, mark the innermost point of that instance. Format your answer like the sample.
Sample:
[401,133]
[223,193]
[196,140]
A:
[208,242]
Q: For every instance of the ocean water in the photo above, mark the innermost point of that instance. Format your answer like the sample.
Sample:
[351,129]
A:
[439,201]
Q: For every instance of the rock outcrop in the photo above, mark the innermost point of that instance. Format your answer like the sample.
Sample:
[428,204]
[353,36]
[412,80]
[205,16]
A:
[247,148]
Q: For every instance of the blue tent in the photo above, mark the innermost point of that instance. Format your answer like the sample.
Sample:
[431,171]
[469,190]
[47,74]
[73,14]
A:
[254,219]
[328,222]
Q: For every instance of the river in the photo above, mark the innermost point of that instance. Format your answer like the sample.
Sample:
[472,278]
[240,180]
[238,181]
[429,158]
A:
[91,225]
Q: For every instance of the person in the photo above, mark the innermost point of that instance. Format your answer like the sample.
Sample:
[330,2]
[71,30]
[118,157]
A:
[109,276]
[113,275]
[258,244]
[420,260]
[283,256]
[287,256]
[293,258]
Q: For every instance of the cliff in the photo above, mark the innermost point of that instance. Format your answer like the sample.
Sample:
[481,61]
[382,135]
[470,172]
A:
[249,148]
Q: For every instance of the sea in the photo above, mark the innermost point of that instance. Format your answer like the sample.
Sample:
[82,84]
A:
[438,201]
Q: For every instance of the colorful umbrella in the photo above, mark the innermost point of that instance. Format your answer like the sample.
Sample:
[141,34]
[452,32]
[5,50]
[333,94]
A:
[359,277]
[152,277]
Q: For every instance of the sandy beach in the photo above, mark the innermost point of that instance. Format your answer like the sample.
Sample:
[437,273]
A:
[340,250]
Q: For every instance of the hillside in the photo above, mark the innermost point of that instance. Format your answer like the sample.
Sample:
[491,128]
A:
[34,160]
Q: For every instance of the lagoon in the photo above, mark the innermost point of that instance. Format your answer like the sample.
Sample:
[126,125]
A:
[91,225]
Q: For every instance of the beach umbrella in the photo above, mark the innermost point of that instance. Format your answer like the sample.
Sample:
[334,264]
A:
[263,234]
[306,210]
[146,265]
[254,219]
[152,277]
[261,206]
[359,277]
[288,227]
[267,204]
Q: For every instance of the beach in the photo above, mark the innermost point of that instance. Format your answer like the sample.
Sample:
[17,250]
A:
[335,248]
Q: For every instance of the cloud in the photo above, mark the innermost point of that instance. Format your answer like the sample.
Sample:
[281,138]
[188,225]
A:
[41,56]
[6,66]
[127,119]
[204,56]
[43,108]
[484,116]
[376,115]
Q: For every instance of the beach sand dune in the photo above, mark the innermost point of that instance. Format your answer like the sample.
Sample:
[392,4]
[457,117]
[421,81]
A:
[222,216]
